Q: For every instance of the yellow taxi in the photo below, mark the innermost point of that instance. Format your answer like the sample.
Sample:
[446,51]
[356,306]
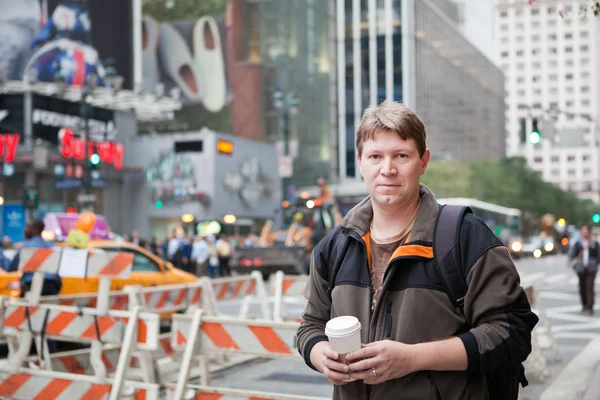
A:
[147,270]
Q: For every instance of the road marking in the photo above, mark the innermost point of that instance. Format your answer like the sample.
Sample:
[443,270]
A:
[558,295]
[557,278]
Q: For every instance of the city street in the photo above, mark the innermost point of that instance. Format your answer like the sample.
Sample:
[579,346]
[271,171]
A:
[559,296]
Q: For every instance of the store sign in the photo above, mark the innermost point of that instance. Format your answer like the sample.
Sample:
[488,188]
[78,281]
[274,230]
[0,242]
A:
[8,146]
[249,182]
[173,180]
[72,146]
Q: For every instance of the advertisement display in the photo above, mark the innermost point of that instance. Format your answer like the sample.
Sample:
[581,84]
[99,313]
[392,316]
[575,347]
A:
[187,46]
[13,216]
[66,40]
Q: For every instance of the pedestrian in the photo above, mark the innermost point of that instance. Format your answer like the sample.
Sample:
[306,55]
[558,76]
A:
[584,259]
[224,250]
[200,256]
[378,266]
[213,259]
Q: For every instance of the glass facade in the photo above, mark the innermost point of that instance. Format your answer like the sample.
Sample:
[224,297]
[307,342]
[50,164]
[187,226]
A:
[291,41]
[459,92]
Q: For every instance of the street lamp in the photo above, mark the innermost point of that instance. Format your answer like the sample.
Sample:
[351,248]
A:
[286,104]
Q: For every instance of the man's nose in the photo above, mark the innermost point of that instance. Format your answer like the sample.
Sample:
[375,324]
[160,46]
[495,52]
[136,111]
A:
[388,167]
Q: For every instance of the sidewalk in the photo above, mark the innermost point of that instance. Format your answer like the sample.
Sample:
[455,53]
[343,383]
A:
[580,379]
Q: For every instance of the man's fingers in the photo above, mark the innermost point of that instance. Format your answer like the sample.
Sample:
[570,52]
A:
[335,366]
[362,365]
[365,352]
[330,353]
[335,376]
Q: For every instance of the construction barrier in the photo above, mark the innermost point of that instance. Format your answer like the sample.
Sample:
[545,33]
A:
[200,335]
[249,288]
[24,321]
[50,385]
[211,393]
[286,288]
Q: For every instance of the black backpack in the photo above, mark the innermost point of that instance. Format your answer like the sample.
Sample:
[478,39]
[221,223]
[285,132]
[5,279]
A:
[503,383]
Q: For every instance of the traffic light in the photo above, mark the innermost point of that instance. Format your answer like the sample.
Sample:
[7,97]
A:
[95,159]
[535,137]
[596,218]
[158,204]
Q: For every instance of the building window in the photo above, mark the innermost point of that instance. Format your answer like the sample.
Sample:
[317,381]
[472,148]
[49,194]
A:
[552,36]
[585,103]
[571,171]
[535,11]
[553,64]
[585,75]
[568,49]
[552,50]
[585,61]
[503,14]
[583,34]
[584,48]
[570,90]
[520,79]
[535,38]
[535,78]
[571,158]
[520,53]
[554,159]
[537,105]
[503,27]
[552,22]
[553,90]
[587,171]
[520,66]
[585,89]
[554,104]
[521,93]
[569,63]
[538,159]
[504,54]
[535,52]
[585,157]
[555,172]
[551,10]
[569,103]
[569,77]
[587,187]
[537,92]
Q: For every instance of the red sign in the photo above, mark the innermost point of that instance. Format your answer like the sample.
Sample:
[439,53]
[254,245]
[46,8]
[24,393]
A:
[8,146]
[72,146]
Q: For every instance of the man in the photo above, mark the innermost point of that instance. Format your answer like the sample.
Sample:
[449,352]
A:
[417,344]
[584,259]
[200,256]
[223,248]
[33,238]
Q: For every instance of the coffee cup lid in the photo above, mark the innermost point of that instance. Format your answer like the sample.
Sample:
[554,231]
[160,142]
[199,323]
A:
[342,326]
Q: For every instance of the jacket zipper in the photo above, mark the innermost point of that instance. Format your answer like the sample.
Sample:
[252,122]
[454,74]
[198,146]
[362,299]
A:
[387,330]
[435,392]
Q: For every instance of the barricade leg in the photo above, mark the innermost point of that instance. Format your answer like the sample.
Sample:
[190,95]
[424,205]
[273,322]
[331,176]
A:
[124,357]
[188,355]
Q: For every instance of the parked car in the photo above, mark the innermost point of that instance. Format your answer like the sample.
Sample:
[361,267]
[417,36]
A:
[533,246]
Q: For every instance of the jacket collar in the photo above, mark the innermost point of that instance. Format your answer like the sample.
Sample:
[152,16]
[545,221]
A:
[359,218]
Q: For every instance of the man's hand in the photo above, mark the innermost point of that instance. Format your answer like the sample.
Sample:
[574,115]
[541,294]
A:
[381,361]
[327,362]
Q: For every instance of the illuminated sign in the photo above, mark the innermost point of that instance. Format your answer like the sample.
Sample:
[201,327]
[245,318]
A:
[223,146]
[74,147]
[8,146]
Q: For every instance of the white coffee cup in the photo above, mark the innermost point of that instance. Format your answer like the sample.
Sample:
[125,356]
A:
[344,336]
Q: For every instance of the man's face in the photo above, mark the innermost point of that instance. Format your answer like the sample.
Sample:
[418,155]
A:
[585,232]
[391,168]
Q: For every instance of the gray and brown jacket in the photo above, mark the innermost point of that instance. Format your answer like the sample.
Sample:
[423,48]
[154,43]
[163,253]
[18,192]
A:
[495,325]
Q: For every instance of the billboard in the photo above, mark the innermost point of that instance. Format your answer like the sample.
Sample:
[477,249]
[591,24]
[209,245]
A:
[66,40]
[188,46]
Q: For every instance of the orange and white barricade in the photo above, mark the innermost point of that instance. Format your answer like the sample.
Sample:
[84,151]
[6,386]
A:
[200,336]
[25,320]
[50,385]
[250,288]
[286,288]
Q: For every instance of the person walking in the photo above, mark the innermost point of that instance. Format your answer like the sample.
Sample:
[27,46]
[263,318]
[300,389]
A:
[584,258]
[379,266]
[224,250]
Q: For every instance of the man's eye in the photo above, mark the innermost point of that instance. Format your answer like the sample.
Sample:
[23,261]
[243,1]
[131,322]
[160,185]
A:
[374,156]
[401,155]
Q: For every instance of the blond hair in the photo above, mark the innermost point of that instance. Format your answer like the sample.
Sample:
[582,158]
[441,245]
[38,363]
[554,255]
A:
[395,117]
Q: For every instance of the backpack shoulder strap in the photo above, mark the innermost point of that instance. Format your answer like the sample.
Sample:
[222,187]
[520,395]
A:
[446,252]
[335,259]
